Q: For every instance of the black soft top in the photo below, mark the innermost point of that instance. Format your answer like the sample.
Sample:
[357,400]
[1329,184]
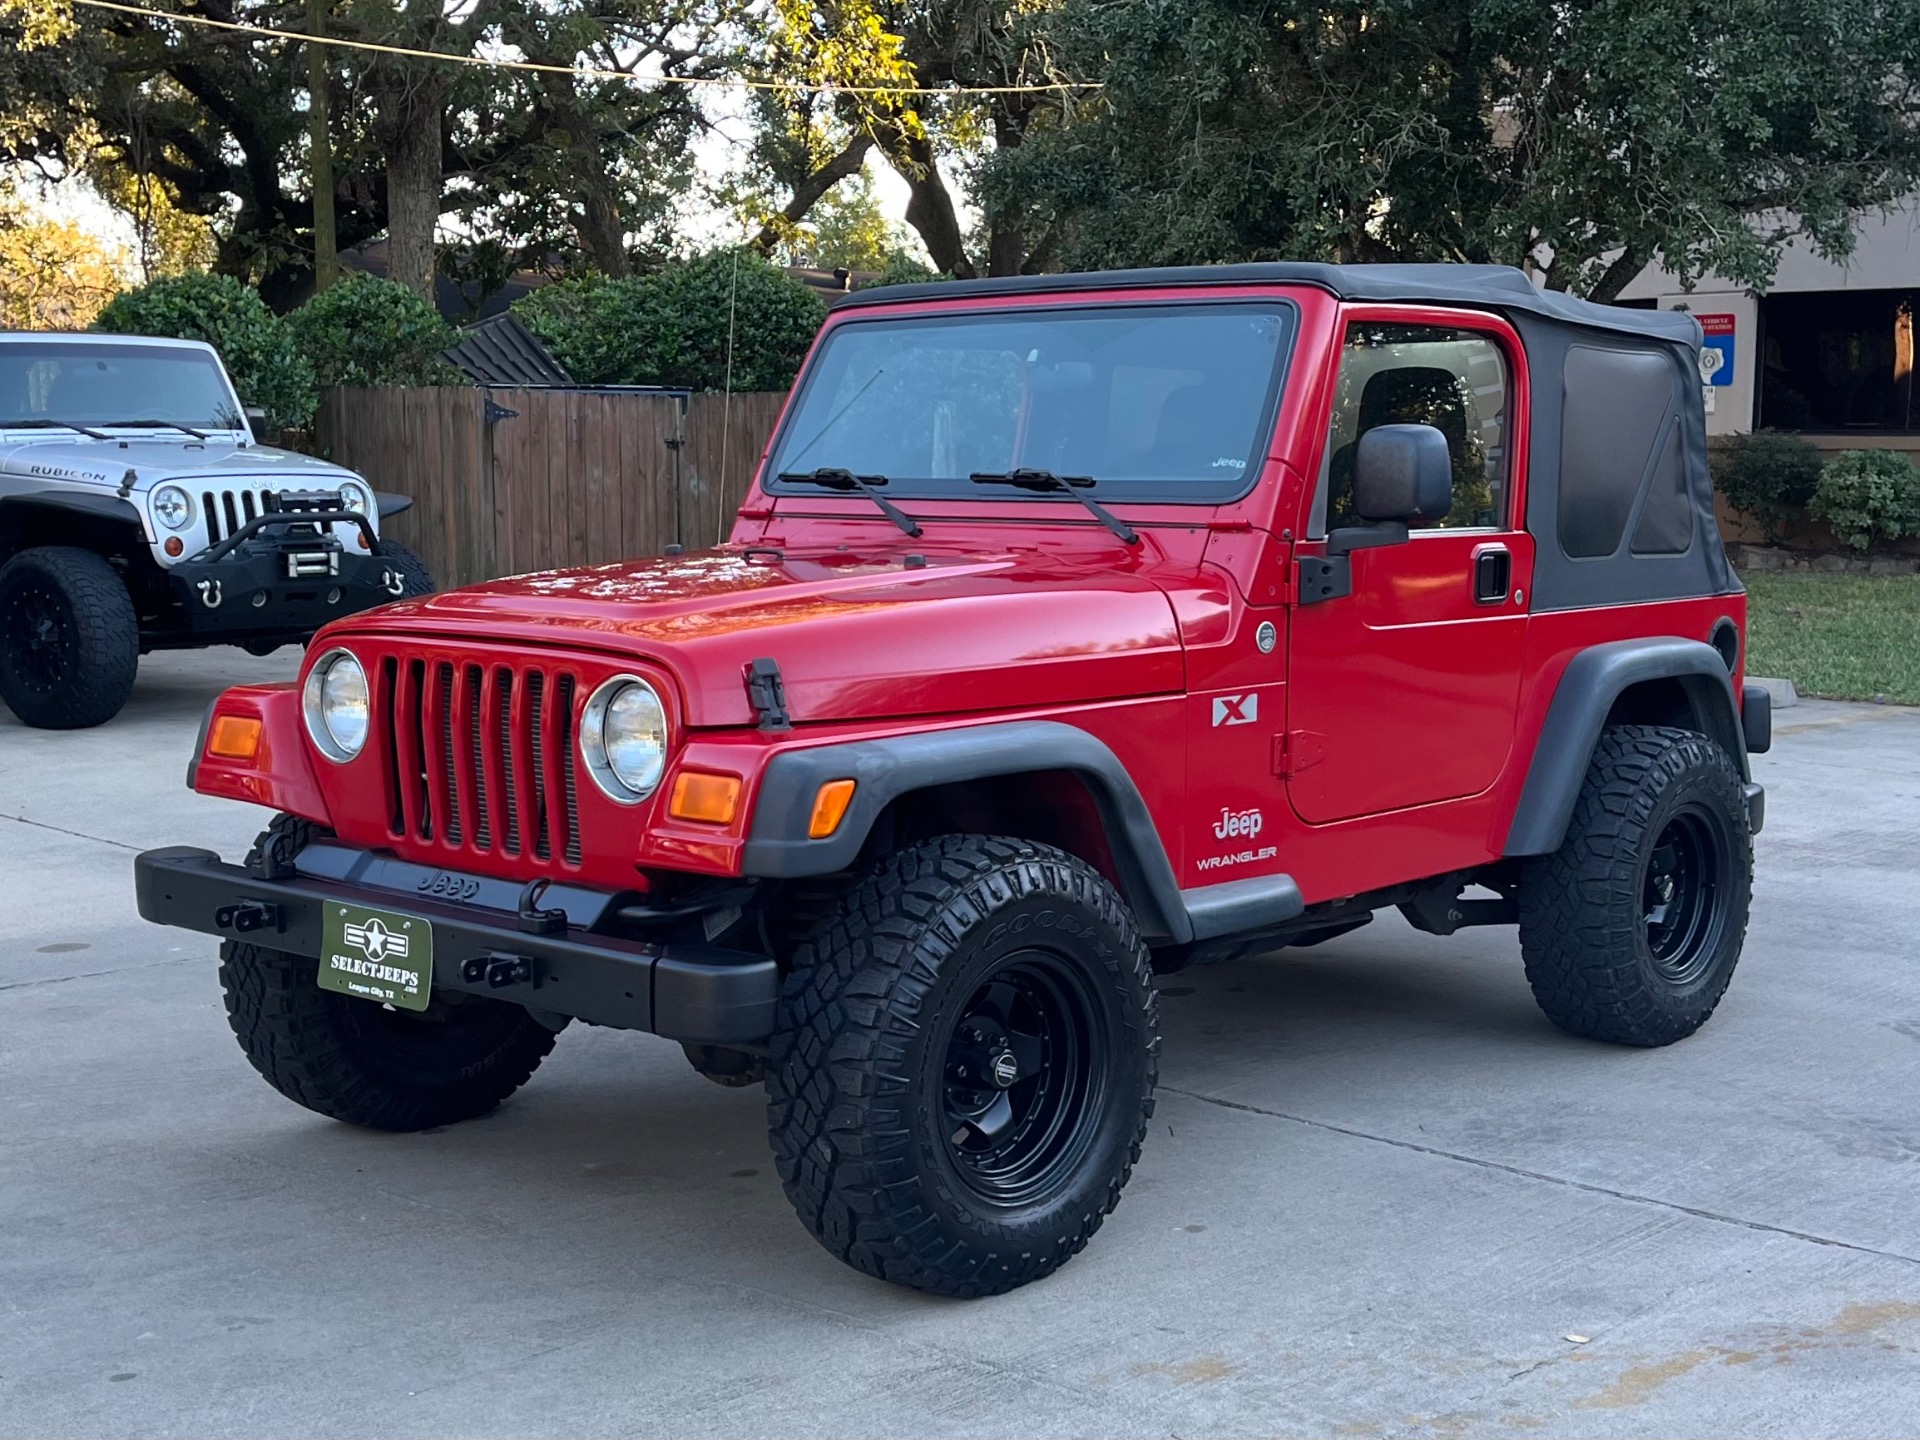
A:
[1485,287]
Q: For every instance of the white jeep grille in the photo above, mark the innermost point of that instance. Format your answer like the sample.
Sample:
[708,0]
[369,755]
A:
[227,510]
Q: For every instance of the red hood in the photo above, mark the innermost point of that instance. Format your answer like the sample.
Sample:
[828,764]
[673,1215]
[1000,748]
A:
[857,636]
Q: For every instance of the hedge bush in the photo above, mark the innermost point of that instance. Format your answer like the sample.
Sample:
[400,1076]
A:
[254,344]
[1768,474]
[1867,495]
[671,326]
[366,330]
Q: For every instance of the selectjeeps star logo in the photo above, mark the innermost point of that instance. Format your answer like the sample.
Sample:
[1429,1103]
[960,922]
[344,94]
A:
[376,941]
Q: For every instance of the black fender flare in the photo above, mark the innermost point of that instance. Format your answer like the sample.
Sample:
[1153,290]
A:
[98,507]
[391,502]
[887,768]
[1588,688]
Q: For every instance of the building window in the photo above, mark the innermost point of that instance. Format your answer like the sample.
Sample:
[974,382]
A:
[1839,360]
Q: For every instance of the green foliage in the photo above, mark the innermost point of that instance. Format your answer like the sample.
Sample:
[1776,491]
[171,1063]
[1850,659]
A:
[671,325]
[1768,474]
[850,230]
[1590,138]
[370,331]
[1867,495]
[267,367]
[903,269]
[1845,637]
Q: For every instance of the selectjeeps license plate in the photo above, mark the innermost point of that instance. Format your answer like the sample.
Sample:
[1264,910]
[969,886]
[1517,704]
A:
[377,955]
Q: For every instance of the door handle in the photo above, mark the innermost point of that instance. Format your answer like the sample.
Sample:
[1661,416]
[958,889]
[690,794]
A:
[1492,574]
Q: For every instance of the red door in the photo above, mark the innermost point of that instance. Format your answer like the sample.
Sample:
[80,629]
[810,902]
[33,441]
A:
[1404,691]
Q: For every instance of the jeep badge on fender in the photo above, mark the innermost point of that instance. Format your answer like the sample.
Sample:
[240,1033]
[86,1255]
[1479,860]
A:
[1077,628]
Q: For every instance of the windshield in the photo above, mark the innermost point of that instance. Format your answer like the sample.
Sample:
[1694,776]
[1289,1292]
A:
[1153,402]
[86,384]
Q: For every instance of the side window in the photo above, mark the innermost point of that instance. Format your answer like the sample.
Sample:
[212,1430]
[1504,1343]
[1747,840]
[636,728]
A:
[1454,380]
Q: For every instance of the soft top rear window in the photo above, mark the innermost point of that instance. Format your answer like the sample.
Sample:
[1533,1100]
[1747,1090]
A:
[1152,402]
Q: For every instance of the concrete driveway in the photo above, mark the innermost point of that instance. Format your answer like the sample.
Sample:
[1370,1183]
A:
[1380,1196]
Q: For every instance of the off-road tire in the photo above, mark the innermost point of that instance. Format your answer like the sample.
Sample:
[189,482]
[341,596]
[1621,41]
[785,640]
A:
[364,1063]
[416,580]
[1585,929]
[858,1082]
[69,638]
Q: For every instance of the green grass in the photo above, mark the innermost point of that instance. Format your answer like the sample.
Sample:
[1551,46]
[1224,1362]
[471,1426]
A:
[1846,637]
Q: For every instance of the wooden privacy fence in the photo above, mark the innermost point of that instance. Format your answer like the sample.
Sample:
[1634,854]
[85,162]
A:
[509,480]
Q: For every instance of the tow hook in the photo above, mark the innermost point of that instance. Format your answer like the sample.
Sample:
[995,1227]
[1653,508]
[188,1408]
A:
[248,915]
[209,593]
[393,582]
[499,971]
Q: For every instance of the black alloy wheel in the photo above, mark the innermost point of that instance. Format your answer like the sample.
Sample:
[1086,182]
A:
[1687,875]
[37,631]
[1025,1077]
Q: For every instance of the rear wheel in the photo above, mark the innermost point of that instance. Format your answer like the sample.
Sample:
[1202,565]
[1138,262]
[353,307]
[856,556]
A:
[69,638]
[1632,929]
[963,1066]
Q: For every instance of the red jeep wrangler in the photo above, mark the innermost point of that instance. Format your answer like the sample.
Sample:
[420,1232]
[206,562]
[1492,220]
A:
[1079,627]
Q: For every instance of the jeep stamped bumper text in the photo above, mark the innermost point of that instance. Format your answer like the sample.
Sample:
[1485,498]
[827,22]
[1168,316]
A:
[394,932]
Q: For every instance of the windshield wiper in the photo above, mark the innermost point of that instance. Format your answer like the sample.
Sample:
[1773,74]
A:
[154,425]
[1070,485]
[53,425]
[832,477]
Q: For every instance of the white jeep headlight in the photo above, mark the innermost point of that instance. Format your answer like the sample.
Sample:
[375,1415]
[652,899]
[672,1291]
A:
[356,497]
[623,734]
[334,701]
[172,507]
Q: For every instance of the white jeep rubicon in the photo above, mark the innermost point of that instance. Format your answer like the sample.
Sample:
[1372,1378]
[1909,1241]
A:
[138,513]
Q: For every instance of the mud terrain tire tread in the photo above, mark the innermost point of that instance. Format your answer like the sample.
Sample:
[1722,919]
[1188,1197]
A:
[309,1045]
[839,1073]
[1580,915]
[106,634]
[415,577]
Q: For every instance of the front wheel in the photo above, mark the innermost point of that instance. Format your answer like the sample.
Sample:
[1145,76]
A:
[1632,928]
[69,638]
[415,579]
[963,1066]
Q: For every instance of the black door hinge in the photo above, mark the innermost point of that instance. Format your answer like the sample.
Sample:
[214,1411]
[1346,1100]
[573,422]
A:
[767,694]
[1324,579]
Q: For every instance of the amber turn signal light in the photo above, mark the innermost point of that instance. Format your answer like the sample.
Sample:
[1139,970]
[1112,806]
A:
[174,546]
[234,737]
[829,808]
[711,799]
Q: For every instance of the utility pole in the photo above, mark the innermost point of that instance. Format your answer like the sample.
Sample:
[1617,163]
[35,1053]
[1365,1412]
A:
[326,259]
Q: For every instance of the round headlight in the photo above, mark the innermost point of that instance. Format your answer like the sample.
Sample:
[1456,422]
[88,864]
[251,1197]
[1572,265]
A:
[172,507]
[623,734]
[357,498]
[335,704]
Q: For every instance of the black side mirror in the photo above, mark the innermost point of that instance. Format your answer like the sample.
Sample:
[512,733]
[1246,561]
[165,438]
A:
[256,416]
[1403,473]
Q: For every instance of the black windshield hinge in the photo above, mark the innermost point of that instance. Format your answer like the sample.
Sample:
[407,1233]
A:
[1324,579]
[767,694]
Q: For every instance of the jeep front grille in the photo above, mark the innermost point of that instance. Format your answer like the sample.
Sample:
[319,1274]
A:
[227,510]
[481,754]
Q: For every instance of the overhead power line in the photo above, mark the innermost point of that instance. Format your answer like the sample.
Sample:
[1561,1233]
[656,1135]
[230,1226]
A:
[584,72]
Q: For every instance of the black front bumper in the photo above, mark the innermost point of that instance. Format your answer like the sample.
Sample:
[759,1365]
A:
[698,994]
[248,594]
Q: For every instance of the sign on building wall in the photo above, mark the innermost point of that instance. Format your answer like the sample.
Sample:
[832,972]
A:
[1716,349]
